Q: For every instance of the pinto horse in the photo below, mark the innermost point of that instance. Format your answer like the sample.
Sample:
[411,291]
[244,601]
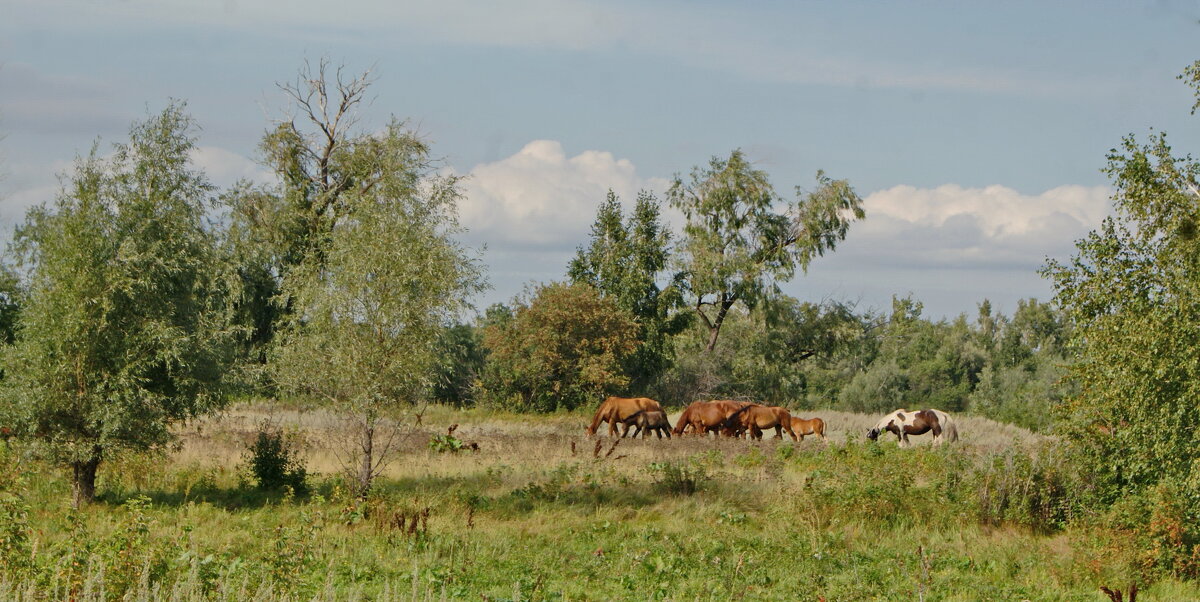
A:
[651,420]
[810,426]
[703,417]
[620,410]
[903,423]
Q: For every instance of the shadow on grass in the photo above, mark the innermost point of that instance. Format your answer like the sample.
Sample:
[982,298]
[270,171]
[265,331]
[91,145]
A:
[481,491]
[237,498]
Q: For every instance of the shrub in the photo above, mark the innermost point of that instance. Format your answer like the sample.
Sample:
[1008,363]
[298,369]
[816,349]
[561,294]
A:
[678,478]
[274,461]
[449,443]
[16,551]
[1038,490]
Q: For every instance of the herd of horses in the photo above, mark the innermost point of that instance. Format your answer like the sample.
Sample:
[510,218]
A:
[727,418]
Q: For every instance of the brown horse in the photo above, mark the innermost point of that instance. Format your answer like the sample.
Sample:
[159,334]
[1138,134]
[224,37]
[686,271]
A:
[810,426]
[703,417]
[620,410]
[652,420]
[757,418]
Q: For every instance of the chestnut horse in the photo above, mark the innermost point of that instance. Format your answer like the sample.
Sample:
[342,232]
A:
[758,418]
[903,423]
[651,420]
[703,417]
[620,410]
[810,426]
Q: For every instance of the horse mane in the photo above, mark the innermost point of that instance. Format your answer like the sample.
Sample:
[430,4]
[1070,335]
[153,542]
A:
[883,422]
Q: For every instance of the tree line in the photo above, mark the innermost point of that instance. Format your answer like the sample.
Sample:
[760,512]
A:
[142,296]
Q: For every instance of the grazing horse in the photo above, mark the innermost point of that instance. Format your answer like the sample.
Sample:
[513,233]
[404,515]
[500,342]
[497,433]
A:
[810,426]
[703,417]
[651,420]
[620,410]
[903,423]
[758,418]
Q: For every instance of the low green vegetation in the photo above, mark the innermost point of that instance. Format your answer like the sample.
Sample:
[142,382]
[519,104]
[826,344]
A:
[539,514]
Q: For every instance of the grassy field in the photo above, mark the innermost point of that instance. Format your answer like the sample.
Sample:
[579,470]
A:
[541,513]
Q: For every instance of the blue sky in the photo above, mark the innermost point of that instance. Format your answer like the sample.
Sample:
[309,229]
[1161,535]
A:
[976,131]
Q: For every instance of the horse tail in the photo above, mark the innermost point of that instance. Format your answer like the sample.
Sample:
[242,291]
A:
[819,428]
[949,429]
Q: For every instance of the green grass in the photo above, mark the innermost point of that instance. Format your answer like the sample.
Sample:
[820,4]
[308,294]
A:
[531,518]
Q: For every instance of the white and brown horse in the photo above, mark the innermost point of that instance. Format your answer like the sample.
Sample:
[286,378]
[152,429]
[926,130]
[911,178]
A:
[903,423]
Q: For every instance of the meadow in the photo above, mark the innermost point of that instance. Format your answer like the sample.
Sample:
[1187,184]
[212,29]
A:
[542,512]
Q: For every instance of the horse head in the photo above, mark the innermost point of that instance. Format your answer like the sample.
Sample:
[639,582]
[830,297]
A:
[887,423]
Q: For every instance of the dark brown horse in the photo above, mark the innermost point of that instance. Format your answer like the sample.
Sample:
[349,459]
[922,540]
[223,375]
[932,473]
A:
[757,418]
[703,417]
[652,420]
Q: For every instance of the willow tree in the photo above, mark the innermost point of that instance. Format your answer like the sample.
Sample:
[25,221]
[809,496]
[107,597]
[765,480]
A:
[322,160]
[1132,295]
[741,237]
[369,308]
[123,329]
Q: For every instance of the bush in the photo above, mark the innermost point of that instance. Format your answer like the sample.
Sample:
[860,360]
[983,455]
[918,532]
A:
[678,478]
[449,443]
[1039,490]
[16,551]
[274,461]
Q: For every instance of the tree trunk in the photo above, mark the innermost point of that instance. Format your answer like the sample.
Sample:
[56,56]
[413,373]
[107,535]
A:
[83,484]
[714,326]
[713,332]
[365,470]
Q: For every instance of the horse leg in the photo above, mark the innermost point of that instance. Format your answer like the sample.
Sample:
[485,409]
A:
[779,431]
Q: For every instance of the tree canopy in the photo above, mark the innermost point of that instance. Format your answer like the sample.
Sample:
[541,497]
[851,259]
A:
[624,261]
[741,237]
[125,326]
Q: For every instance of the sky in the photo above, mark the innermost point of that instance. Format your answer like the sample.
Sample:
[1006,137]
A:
[976,132]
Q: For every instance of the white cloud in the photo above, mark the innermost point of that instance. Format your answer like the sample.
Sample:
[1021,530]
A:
[541,197]
[995,228]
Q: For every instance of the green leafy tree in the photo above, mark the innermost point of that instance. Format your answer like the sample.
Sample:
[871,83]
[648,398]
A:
[1132,295]
[623,262]
[390,276]
[125,329]
[562,349]
[461,361]
[10,304]
[919,364]
[323,162]
[741,237]
[1022,379]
